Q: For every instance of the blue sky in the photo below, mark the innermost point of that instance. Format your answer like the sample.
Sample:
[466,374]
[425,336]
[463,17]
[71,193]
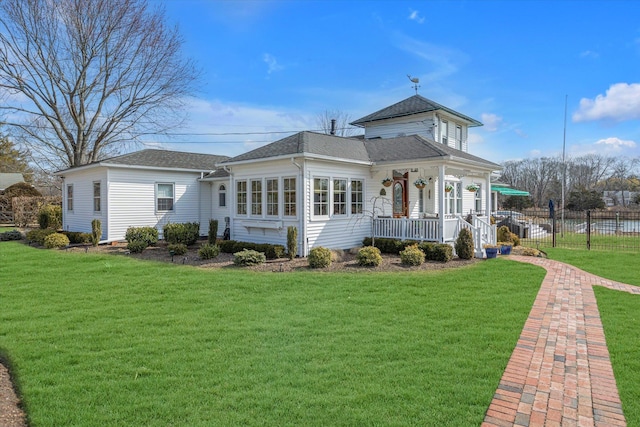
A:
[273,66]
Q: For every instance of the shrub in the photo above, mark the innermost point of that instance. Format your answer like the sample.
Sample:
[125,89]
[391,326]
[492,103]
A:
[177,248]
[148,235]
[137,246]
[292,241]
[411,255]
[530,252]
[56,240]
[10,235]
[442,252]
[369,256]
[21,189]
[186,233]
[389,246]
[249,257]
[77,237]
[464,244]
[38,236]
[212,237]
[504,234]
[96,232]
[50,216]
[208,251]
[319,257]
[270,251]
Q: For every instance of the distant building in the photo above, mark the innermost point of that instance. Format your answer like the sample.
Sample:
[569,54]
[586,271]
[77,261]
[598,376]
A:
[8,179]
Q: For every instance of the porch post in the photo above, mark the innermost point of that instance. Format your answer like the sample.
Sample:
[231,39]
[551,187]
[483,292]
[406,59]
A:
[441,209]
[488,202]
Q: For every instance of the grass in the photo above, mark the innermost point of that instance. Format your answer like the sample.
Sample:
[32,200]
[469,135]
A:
[108,340]
[618,242]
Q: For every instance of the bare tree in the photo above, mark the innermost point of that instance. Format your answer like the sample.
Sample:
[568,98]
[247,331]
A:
[82,78]
[341,127]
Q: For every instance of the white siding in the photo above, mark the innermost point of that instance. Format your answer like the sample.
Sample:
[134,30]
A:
[419,124]
[132,201]
[79,219]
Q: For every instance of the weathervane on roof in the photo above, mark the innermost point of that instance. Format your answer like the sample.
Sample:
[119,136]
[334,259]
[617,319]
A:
[415,82]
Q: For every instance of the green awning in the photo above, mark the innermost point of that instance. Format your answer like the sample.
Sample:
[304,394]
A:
[506,191]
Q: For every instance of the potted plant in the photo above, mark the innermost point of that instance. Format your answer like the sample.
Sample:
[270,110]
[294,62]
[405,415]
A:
[473,187]
[505,248]
[387,182]
[420,183]
[490,250]
[448,188]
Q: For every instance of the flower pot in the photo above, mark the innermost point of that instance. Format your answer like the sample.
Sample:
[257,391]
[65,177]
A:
[491,252]
[505,250]
[420,186]
[387,183]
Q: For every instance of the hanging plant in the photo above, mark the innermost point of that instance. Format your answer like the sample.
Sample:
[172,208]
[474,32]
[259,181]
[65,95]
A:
[473,187]
[387,182]
[448,188]
[420,183]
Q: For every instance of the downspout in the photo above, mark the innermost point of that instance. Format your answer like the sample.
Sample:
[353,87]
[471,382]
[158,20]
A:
[303,229]
[232,200]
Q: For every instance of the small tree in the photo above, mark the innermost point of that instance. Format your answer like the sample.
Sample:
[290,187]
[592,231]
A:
[292,241]
[96,231]
[213,231]
[464,244]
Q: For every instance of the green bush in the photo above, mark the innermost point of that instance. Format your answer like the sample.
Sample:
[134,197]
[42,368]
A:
[208,251]
[77,237]
[148,235]
[436,251]
[177,248]
[212,237]
[249,257]
[186,233]
[292,241]
[11,235]
[50,216]
[389,246]
[56,240]
[411,255]
[369,256]
[270,251]
[38,236]
[506,236]
[96,232]
[137,246]
[319,257]
[464,244]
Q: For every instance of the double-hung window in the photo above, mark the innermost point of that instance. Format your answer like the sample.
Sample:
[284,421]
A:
[164,197]
[69,197]
[96,196]
[445,132]
[459,137]
[453,199]
[357,196]
[321,196]
[289,191]
[478,199]
[272,197]
[256,197]
[241,197]
[339,196]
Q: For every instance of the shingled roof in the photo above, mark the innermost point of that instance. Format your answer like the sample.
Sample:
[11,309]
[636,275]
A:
[398,149]
[413,105]
[163,159]
[309,143]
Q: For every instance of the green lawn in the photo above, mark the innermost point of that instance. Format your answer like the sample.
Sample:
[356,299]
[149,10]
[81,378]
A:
[107,340]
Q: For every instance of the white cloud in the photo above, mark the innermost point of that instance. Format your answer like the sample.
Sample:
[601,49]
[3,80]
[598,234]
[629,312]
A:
[620,103]
[616,144]
[415,16]
[272,63]
[590,54]
[491,121]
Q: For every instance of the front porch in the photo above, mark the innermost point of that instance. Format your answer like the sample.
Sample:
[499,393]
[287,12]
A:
[441,230]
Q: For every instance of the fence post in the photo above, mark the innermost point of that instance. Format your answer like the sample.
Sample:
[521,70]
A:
[588,230]
[553,229]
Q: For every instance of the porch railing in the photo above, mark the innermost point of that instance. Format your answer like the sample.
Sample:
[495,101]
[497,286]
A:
[407,229]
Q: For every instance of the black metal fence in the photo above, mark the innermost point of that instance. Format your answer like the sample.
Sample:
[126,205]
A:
[597,229]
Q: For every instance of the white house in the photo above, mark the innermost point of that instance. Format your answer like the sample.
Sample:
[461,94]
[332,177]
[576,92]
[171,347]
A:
[329,187]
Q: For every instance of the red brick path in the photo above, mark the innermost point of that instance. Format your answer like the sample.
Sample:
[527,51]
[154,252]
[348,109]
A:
[560,373]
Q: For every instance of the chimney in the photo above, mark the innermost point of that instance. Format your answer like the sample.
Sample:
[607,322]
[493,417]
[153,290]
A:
[333,127]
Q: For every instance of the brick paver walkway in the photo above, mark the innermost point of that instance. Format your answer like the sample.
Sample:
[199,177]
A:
[560,373]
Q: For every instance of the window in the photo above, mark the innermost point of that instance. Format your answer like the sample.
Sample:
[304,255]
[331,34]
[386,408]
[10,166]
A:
[459,137]
[222,196]
[320,196]
[453,199]
[478,199]
[241,197]
[445,132]
[421,200]
[164,197]
[289,196]
[339,196]
[96,196]
[70,197]
[272,196]
[256,197]
[357,196]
